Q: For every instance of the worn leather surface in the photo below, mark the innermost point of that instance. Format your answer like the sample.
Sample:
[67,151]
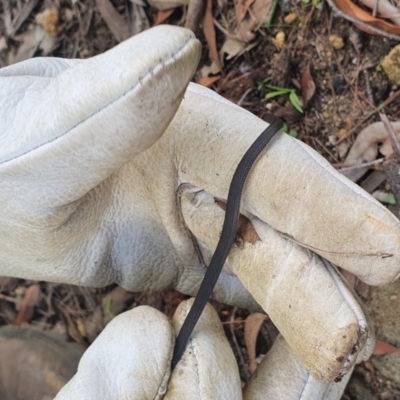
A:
[131,357]
[92,154]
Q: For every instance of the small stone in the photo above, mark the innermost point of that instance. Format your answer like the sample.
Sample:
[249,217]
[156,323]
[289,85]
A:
[290,18]
[280,40]
[326,115]
[339,84]
[329,54]
[336,42]
[393,297]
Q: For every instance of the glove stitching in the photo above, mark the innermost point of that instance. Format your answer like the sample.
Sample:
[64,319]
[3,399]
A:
[141,80]
[303,394]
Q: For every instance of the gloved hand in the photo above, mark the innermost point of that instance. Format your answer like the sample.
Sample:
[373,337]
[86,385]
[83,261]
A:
[131,360]
[98,185]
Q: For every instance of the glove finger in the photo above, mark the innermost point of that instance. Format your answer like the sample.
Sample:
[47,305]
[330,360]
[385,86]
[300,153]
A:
[305,298]
[281,375]
[291,187]
[65,135]
[129,360]
[208,369]
[39,67]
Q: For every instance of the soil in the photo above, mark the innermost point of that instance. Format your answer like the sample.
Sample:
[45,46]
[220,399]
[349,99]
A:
[348,86]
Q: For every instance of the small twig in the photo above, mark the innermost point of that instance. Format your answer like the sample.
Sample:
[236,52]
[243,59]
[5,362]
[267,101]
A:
[325,148]
[393,136]
[358,166]
[244,95]
[8,298]
[368,87]
[235,342]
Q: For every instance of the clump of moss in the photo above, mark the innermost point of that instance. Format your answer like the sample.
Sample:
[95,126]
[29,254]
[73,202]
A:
[391,65]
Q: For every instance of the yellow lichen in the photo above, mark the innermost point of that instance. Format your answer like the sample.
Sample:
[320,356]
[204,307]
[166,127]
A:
[336,42]
[290,18]
[280,40]
[391,65]
[48,19]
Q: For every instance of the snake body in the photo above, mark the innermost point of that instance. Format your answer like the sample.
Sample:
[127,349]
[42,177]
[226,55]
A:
[228,234]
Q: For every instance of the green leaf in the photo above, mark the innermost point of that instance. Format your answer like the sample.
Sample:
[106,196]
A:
[390,199]
[285,128]
[279,89]
[262,83]
[293,133]
[295,101]
[271,95]
[107,308]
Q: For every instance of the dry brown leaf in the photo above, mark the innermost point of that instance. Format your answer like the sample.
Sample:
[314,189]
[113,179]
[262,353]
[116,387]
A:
[366,146]
[209,33]
[384,9]
[162,15]
[252,327]
[238,42]
[260,12]
[382,348]
[241,8]
[117,25]
[364,20]
[307,86]
[30,300]
[231,48]
[208,80]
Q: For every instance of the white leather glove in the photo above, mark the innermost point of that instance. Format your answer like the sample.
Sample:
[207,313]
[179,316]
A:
[131,360]
[89,189]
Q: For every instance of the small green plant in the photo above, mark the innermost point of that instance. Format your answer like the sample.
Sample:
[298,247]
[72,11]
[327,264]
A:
[107,308]
[390,199]
[290,132]
[278,91]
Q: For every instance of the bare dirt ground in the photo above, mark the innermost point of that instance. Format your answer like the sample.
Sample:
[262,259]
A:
[340,86]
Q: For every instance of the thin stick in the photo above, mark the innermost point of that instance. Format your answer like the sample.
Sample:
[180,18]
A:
[393,136]
[244,365]
[363,165]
